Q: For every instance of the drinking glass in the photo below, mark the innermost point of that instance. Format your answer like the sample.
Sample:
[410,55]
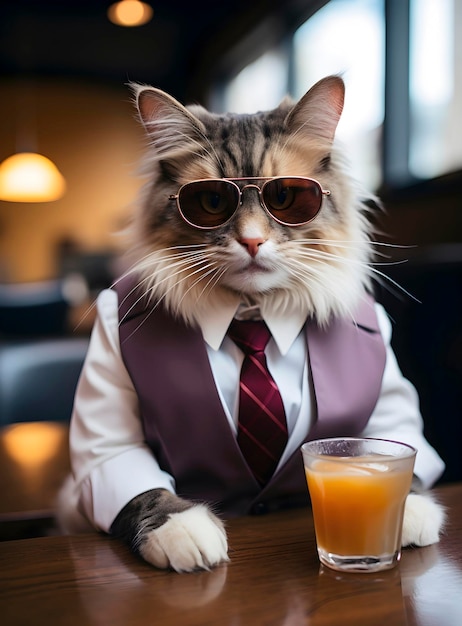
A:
[358,489]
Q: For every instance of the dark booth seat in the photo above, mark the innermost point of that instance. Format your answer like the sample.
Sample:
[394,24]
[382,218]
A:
[38,379]
[33,309]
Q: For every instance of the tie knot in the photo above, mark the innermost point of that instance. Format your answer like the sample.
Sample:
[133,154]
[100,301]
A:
[249,335]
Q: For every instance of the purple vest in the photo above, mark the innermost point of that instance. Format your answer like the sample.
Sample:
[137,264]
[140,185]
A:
[183,418]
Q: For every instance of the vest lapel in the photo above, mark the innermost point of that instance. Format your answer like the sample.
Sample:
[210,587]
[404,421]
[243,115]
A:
[347,360]
[171,373]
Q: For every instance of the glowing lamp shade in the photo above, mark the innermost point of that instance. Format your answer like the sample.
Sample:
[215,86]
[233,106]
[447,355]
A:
[33,443]
[30,177]
[130,13]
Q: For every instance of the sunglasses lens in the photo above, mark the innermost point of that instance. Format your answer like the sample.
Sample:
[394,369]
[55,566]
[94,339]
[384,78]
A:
[292,201]
[208,203]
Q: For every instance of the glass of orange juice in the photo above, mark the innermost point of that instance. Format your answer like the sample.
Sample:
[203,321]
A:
[358,488]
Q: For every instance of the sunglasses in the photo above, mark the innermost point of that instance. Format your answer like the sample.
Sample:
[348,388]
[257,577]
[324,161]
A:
[211,203]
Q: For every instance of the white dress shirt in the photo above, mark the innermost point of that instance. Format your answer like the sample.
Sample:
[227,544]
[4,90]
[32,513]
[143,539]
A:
[110,459]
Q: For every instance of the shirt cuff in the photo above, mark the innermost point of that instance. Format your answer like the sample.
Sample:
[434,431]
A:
[111,485]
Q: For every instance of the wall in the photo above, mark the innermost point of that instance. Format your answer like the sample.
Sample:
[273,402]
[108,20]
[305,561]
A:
[91,133]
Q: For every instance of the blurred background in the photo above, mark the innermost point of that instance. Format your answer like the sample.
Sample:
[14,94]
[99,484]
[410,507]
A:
[64,69]
[63,93]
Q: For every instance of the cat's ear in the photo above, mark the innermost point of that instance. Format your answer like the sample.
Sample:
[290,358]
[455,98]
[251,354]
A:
[318,112]
[169,125]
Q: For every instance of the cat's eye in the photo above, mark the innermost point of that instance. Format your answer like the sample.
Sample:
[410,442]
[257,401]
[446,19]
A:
[207,204]
[210,203]
[279,196]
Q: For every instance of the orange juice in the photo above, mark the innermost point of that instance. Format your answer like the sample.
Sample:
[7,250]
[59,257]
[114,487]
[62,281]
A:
[358,489]
[357,509]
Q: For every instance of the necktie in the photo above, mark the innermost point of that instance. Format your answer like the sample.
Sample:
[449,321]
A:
[262,428]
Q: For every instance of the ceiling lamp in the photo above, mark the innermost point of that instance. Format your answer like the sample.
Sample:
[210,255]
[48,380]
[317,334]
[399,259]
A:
[30,177]
[130,13]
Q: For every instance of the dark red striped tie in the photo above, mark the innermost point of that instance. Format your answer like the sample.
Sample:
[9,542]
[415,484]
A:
[262,429]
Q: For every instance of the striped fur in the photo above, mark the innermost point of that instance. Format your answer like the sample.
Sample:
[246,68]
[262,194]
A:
[322,267]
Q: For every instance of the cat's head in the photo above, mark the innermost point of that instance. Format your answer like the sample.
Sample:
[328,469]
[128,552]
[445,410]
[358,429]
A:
[320,265]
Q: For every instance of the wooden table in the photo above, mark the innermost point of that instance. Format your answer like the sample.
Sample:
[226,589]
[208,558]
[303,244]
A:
[273,578]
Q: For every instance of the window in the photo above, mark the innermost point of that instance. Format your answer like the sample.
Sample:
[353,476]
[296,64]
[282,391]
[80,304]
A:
[347,37]
[403,85]
[259,86]
[435,88]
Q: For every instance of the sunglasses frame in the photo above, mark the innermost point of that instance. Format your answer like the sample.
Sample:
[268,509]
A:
[234,181]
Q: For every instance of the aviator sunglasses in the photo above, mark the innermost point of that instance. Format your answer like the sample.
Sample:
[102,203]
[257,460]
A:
[290,200]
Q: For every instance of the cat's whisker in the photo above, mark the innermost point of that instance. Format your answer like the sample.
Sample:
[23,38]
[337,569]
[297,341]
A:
[210,275]
[154,280]
[145,318]
[315,277]
[323,255]
[307,274]
[90,308]
[143,293]
[172,262]
[185,249]
[135,303]
[385,280]
[350,244]
[153,257]
[341,245]
[149,296]
[166,254]
[147,268]
[316,253]
[201,265]
[370,268]
[141,266]
[153,283]
[131,271]
[213,280]
[151,289]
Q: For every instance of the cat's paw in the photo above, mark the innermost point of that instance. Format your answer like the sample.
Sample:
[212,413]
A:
[187,541]
[423,520]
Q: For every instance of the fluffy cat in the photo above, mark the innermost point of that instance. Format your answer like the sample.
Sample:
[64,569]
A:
[322,268]
[325,264]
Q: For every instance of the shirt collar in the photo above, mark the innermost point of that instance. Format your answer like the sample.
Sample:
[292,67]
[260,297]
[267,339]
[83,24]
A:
[284,326]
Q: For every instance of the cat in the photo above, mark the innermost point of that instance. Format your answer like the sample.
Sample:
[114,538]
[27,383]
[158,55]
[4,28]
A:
[189,257]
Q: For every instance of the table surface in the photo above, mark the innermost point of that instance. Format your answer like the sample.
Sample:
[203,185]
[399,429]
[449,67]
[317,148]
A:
[273,578]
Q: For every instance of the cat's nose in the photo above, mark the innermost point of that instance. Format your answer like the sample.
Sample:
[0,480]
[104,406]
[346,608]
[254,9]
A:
[252,245]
